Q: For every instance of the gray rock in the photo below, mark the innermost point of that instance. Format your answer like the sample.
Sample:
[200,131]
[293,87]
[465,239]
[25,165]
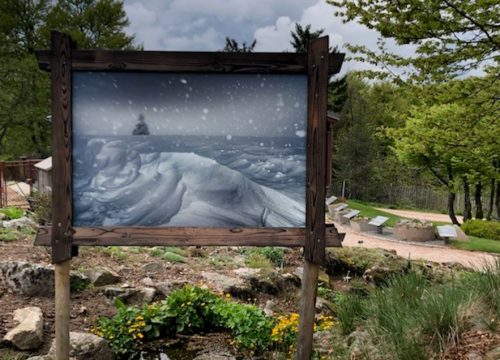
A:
[323,305]
[102,276]
[28,335]
[148,282]
[222,282]
[153,267]
[215,356]
[35,279]
[43,357]
[474,355]
[268,309]
[130,296]
[85,346]
[166,287]
[19,223]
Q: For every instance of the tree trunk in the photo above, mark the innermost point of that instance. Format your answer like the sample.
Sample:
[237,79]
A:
[477,198]
[467,204]
[451,207]
[497,199]
[492,199]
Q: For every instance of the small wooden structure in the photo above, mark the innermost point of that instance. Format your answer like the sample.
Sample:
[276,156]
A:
[44,182]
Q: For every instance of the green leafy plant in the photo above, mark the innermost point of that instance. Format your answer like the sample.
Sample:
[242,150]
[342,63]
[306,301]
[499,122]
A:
[8,235]
[12,213]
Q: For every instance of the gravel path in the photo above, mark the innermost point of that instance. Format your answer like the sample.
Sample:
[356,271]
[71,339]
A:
[438,254]
[471,259]
[420,215]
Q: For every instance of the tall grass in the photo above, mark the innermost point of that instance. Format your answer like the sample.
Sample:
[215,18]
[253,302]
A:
[411,318]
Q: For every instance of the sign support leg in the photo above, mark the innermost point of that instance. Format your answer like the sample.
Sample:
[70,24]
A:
[307,310]
[62,307]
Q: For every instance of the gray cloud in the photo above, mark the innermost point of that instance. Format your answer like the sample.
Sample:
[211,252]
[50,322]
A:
[202,25]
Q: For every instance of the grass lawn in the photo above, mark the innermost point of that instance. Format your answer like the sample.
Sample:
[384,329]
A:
[478,244]
[369,211]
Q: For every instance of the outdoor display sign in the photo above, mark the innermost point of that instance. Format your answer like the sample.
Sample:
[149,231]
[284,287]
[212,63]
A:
[352,214]
[378,220]
[156,148]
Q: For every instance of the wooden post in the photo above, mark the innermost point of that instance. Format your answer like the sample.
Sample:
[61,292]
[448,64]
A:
[62,305]
[314,249]
[62,232]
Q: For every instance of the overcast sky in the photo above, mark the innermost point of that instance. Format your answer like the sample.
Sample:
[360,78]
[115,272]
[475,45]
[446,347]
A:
[202,25]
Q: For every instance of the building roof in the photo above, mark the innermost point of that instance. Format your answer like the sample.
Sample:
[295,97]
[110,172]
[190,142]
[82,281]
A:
[333,117]
[45,164]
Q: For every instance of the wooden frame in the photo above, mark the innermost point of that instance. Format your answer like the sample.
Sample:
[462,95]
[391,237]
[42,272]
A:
[61,60]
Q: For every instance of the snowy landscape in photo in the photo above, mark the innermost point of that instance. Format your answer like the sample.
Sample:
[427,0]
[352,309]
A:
[202,150]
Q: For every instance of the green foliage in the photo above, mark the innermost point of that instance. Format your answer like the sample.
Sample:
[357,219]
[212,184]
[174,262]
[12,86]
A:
[349,312]
[302,35]
[410,316]
[186,311]
[41,204]
[25,90]
[233,46]
[482,229]
[8,235]
[12,213]
[114,252]
[265,257]
[440,31]
[371,212]
[173,257]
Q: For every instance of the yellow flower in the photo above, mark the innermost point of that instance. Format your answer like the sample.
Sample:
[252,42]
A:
[140,335]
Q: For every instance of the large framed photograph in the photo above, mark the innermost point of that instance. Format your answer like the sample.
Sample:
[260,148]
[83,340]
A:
[162,149]
[155,148]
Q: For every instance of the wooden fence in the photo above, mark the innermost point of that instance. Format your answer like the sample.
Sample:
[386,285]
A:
[16,181]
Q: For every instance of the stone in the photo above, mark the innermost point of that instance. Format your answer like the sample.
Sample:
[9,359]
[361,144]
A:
[44,357]
[130,296]
[28,335]
[35,279]
[268,308]
[102,276]
[17,224]
[473,355]
[215,356]
[322,305]
[153,267]
[222,282]
[166,287]
[84,346]
[148,282]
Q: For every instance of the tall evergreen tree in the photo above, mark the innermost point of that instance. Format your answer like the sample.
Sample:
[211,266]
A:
[24,90]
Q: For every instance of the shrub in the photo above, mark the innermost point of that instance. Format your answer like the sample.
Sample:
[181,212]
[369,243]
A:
[482,229]
[41,203]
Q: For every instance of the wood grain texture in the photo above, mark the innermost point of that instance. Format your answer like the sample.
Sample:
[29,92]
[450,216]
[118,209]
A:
[105,236]
[314,250]
[307,310]
[60,62]
[168,61]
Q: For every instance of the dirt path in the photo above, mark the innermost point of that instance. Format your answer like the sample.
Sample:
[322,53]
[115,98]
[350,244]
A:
[471,259]
[420,215]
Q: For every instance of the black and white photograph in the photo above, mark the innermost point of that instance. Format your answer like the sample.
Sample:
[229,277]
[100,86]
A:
[194,150]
